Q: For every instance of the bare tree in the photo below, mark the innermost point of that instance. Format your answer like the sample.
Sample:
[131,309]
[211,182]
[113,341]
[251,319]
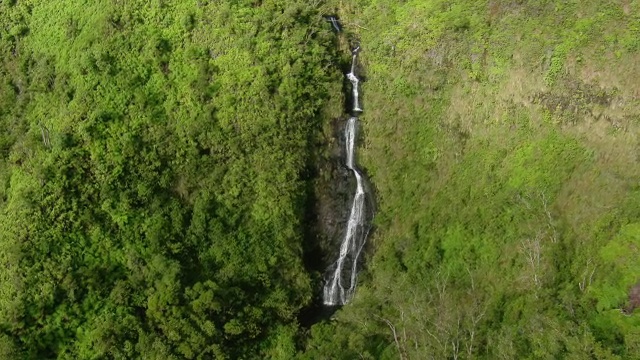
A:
[395,335]
[531,248]
[455,342]
[477,315]
[587,281]
[441,284]
[550,225]
[45,136]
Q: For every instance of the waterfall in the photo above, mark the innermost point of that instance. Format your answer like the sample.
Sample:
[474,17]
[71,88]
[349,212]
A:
[334,22]
[354,81]
[341,283]
[341,286]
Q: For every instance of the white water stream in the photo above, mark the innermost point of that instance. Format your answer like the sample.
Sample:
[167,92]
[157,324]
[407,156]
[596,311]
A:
[334,22]
[341,285]
[354,81]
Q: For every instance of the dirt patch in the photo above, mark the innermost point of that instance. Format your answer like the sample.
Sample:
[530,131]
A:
[576,101]
[626,7]
[634,299]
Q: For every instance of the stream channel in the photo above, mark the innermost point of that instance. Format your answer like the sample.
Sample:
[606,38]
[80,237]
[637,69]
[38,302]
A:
[341,276]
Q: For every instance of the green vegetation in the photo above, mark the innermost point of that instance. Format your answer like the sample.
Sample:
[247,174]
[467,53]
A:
[153,176]
[159,162]
[502,140]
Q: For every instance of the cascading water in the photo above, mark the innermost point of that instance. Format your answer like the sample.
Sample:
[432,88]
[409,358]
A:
[341,283]
[334,22]
[354,81]
[341,286]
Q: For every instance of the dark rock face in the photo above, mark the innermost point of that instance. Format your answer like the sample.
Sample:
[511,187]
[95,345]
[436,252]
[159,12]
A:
[332,195]
[328,212]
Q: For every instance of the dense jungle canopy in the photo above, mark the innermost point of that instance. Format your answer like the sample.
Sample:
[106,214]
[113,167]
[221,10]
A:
[166,167]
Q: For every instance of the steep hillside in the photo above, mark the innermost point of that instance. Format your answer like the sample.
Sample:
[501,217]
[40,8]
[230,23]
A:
[154,177]
[171,182]
[503,141]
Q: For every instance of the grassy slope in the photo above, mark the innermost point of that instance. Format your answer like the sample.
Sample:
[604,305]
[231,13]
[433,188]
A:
[502,139]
